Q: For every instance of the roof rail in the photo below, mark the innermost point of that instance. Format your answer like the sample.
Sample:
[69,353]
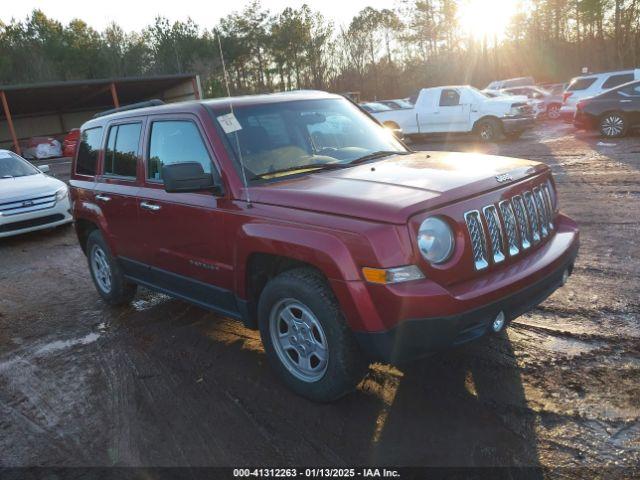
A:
[133,106]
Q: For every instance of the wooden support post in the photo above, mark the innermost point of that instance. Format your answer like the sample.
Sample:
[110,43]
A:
[12,130]
[114,95]
[196,91]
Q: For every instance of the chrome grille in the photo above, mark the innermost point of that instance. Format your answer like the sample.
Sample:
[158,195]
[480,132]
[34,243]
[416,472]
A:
[549,203]
[27,205]
[495,232]
[523,224]
[542,212]
[510,226]
[532,213]
[478,240]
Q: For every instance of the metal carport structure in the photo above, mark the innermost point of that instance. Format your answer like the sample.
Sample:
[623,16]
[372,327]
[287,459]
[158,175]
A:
[53,108]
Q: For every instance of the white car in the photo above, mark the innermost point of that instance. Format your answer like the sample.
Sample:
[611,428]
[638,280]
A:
[460,109]
[29,199]
[397,103]
[373,107]
[591,85]
[510,82]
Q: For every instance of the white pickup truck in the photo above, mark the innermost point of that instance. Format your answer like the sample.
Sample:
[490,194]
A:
[461,109]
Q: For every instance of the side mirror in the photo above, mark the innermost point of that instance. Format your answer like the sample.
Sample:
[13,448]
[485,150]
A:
[44,168]
[187,177]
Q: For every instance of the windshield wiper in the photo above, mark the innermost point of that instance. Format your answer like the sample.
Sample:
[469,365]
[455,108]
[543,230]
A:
[310,166]
[376,155]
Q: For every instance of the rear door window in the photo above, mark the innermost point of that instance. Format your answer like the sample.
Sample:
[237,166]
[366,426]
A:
[88,150]
[581,84]
[615,80]
[121,155]
[175,141]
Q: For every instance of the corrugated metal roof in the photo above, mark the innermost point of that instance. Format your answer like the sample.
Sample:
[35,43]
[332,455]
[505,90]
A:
[79,95]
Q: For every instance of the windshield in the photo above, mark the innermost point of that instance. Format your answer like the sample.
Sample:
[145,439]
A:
[403,103]
[479,93]
[302,135]
[11,165]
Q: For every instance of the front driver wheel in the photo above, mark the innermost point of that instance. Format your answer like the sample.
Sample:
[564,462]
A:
[305,336]
[613,125]
[489,130]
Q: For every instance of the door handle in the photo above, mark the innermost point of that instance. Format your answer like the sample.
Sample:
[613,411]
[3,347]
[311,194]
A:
[150,206]
[102,198]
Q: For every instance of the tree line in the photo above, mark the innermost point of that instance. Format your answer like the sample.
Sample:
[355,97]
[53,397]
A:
[380,53]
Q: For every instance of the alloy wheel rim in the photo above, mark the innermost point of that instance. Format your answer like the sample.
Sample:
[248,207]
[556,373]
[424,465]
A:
[612,125]
[299,340]
[101,268]
[554,112]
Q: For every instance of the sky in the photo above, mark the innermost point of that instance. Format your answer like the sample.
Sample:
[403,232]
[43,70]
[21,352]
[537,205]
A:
[135,14]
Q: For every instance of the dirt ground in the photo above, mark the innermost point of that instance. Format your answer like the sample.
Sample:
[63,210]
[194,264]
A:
[163,383]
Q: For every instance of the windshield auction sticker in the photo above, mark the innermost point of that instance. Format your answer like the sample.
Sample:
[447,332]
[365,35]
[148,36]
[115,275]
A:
[229,123]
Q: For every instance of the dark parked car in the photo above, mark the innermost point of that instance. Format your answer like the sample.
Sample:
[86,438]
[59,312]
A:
[301,216]
[613,112]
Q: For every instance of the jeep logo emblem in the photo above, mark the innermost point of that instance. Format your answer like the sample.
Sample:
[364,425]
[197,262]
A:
[505,177]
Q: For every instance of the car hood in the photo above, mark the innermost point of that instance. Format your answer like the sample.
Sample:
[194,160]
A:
[30,186]
[393,189]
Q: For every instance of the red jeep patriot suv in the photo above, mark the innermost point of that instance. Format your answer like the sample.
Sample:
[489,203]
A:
[300,215]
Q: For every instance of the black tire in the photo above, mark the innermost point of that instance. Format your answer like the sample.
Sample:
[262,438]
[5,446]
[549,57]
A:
[613,125]
[345,366]
[553,111]
[489,130]
[119,291]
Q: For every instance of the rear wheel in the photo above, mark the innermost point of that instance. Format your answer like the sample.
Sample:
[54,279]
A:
[489,130]
[613,125]
[306,338]
[553,112]
[106,273]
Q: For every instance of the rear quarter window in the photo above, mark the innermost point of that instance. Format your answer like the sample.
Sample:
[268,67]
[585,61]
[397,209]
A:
[615,80]
[88,150]
[581,84]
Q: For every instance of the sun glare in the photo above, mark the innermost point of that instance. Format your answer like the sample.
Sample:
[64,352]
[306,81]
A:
[486,18]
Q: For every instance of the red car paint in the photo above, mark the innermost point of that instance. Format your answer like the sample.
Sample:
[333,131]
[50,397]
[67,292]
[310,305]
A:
[70,142]
[338,221]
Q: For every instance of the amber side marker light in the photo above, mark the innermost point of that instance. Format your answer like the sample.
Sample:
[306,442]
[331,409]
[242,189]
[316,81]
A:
[384,276]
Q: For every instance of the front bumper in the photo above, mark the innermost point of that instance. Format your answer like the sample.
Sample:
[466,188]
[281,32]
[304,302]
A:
[517,124]
[57,215]
[398,323]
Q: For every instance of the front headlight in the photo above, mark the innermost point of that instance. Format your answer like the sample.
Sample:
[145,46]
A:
[62,193]
[435,240]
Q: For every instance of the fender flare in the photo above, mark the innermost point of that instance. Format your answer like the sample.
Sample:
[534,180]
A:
[91,212]
[320,249]
[483,118]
